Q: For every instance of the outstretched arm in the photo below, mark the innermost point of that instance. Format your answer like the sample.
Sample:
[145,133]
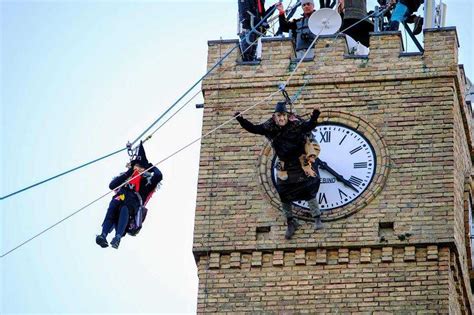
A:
[285,26]
[153,176]
[247,125]
[312,122]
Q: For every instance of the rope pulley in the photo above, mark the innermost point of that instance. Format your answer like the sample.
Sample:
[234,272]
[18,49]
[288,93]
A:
[286,96]
[130,151]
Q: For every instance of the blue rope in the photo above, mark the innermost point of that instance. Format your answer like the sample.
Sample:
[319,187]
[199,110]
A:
[61,174]
[219,62]
[134,141]
[186,93]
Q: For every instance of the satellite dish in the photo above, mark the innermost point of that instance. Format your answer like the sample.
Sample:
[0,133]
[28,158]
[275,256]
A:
[324,22]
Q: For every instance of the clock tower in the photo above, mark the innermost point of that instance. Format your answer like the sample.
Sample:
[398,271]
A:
[395,132]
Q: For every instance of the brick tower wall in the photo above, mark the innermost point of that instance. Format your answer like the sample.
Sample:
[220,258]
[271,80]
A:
[415,102]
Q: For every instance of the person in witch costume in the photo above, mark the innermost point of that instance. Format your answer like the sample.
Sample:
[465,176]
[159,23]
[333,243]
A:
[298,177]
[127,210]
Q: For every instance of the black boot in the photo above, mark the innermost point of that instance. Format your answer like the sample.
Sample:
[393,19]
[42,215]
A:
[418,25]
[101,241]
[115,241]
[393,26]
[318,224]
[292,225]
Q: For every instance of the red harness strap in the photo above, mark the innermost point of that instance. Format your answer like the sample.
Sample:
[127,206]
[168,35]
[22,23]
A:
[136,181]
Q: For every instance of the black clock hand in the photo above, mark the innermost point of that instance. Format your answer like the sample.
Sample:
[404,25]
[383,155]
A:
[338,176]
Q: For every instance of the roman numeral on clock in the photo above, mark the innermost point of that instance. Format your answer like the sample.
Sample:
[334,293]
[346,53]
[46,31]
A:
[322,198]
[325,136]
[341,194]
[360,165]
[356,150]
[342,139]
[356,181]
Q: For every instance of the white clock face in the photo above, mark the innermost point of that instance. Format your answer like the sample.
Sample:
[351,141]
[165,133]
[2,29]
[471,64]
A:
[348,165]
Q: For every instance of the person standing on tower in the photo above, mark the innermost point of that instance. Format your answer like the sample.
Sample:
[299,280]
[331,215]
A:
[127,208]
[404,11]
[324,4]
[299,28]
[251,13]
[289,135]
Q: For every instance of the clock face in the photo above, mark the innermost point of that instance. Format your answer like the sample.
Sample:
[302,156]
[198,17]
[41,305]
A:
[344,152]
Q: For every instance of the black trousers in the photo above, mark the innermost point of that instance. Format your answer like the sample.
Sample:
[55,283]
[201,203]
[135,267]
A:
[117,215]
[324,3]
[248,50]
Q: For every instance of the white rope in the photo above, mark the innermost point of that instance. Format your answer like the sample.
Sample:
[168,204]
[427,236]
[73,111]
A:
[163,160]
[139,174]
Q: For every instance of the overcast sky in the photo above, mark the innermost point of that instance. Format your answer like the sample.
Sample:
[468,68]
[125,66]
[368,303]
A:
[78,80]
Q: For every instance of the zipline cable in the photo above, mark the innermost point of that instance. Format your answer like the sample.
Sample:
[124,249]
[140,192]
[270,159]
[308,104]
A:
[63,173]
[163,160]
[94,201]
[174,114]
[147,129]
[55,224]
[125,148]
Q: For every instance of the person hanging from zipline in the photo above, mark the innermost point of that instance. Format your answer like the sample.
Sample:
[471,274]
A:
[297,176]
[127,211]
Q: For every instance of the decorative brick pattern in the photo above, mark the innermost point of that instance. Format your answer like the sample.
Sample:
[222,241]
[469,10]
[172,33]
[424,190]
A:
[387,254]
[372,287]
[432,252]
[300,257]
[256,259]
[278,258]
[214,261]
[343,255]
[235,260]
[365,255]
[410,253]
[322,256]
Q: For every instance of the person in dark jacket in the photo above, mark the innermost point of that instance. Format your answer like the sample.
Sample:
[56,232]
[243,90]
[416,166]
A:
[251,13]
[299,28]
[130,199]
[354,21]
[404,11]
[324,4]
[288,136]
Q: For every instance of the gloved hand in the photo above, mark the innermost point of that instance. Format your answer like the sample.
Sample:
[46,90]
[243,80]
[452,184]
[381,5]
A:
[280,8]
[315,114]
[129,172]
[237,115]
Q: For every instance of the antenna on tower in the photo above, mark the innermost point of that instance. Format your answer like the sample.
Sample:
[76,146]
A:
[435,15]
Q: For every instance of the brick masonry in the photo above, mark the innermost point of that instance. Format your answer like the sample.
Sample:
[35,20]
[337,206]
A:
[415,102]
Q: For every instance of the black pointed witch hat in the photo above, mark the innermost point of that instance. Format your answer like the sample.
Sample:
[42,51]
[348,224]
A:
[140,158]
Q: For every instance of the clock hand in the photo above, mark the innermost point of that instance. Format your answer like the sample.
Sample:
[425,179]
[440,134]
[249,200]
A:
[338,176]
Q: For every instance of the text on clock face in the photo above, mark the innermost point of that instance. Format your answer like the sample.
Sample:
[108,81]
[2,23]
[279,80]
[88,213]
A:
[348,153]
[347,168]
